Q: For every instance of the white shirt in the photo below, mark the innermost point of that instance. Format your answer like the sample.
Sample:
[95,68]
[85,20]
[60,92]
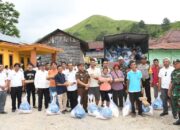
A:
[96,72]
[40,80]
[3,79]
[71,77]
[165,75]
[16,78]
[65,71]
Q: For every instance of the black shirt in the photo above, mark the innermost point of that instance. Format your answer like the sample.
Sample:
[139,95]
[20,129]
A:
[29,75]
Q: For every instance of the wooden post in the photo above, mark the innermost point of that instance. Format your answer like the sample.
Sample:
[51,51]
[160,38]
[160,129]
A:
[33,57]
[54,57]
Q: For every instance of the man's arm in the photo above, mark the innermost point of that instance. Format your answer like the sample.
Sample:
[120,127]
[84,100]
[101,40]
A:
[81,83]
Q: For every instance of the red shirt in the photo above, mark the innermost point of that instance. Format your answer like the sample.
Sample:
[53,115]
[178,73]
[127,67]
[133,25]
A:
[155,72]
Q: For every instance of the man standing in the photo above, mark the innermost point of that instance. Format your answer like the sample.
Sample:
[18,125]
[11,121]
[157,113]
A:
[61,89]
[144,68]
[72,87]
[3,89]
[164,83]
[16,83]
[29,75]
[174,91]
[154,80]
[94,73]
[134,84]
[42,84]
[82,78]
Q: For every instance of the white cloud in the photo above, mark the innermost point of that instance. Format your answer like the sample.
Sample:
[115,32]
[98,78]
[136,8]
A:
[39,17]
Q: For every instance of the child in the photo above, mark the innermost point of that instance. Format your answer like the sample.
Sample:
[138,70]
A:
[105,88]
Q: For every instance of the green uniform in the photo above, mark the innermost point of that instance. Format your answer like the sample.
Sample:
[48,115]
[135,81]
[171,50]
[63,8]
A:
[175,77]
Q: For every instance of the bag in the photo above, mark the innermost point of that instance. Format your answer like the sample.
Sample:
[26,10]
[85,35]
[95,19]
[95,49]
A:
[148,110]
[105,113]
[25,107]
[157,104]
[127,107]
[78,111]
[53,108]
[92,107]
[113,107]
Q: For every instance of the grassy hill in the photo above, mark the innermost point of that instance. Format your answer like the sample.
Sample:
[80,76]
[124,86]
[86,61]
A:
[97,26]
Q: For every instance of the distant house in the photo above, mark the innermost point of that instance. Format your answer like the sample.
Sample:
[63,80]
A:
[74,48]
[166,46]
[96,50]
[12,51]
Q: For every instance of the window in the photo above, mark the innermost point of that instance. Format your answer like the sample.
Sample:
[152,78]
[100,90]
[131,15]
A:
[10,60]
[1,58]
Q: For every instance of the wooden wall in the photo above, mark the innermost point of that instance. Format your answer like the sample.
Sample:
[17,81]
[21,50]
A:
[72,50]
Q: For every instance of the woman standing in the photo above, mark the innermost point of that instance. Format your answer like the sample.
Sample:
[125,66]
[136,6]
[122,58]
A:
[117,85]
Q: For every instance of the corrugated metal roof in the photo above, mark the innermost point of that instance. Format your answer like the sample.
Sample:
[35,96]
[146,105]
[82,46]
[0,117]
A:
[166,46]
[10,39]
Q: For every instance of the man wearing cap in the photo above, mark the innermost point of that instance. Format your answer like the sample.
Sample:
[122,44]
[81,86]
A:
[174,91]
[144,68]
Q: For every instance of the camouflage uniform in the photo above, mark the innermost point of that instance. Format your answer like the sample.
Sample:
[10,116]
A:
[175,77]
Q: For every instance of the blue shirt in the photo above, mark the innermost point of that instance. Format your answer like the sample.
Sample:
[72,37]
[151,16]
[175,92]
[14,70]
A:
[60,78]
[134,81]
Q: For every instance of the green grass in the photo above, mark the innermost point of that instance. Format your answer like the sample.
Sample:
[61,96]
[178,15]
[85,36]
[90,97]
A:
[97,26]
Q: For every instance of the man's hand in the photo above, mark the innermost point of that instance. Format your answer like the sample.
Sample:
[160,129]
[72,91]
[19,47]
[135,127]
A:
[169,93]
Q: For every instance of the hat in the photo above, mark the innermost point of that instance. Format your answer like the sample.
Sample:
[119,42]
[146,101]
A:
[120,58]
[177,61]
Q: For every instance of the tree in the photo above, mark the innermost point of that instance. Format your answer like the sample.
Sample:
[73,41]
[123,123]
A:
[141,24]
[8,19]
[166,24]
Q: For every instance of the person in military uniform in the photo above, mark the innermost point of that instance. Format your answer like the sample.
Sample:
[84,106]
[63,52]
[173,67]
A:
[174,92]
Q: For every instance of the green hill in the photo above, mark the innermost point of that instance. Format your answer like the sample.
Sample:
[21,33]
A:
[97,26]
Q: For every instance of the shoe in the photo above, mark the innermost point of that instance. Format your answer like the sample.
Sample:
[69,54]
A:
[142,115]
[3,112]
[177,122]
[34,107]
[63,112]
[13,110]
[39,109]
[164,113]
[133,114]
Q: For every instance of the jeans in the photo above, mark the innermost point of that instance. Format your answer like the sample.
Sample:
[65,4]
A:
[155,91]
[16,92]
[164,96]
[146,85]
[134,97]
[51,91]
[72,97]
[3,96]
[62,101]
[118,97]
[30,88]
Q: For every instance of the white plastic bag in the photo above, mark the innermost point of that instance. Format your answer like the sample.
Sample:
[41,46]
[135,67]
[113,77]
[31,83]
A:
[92,107]
[53,108]
[113,107]
[105,113]
[78,111]
[25,107]
[127,107]
[157,104]
[148,110]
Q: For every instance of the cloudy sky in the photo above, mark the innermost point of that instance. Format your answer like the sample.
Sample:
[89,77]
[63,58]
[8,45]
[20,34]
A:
[40,17]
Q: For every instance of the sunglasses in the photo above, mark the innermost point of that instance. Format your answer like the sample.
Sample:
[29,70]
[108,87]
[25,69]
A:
[165,74]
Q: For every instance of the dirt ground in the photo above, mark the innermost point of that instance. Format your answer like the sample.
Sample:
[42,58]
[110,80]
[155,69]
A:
[40,121]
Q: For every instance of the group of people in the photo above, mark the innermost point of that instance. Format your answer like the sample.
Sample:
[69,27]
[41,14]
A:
[65,82]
